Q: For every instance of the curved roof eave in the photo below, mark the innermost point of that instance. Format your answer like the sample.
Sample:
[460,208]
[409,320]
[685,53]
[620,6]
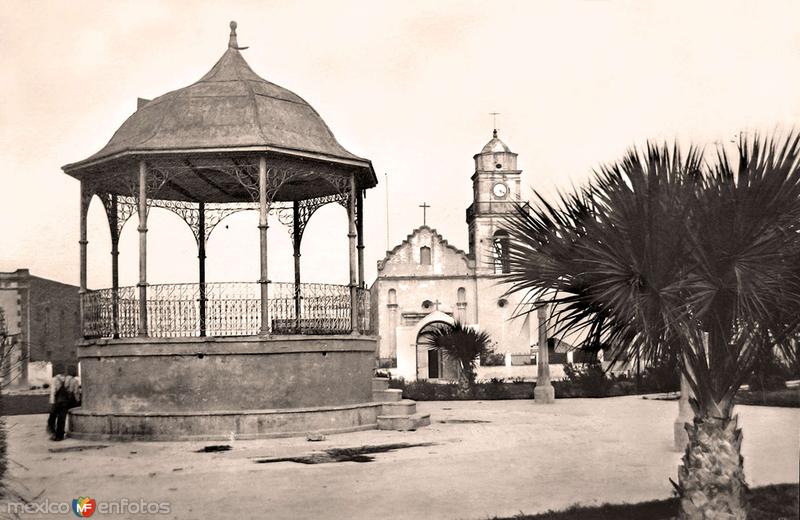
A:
[74,168]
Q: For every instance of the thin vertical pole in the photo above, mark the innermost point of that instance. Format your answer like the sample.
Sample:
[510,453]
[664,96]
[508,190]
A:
[263,225]
[84,242]
[360,231]
[114,225]
[386,180]
[296,238]
[201,258]
[351,235]
[142,249]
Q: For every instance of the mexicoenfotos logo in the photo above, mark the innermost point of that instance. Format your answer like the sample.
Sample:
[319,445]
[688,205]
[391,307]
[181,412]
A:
[84,507]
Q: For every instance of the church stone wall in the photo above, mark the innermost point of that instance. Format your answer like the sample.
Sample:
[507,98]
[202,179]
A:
[407,307]
[480,305]
[512,335]
[413,280]
[404,260]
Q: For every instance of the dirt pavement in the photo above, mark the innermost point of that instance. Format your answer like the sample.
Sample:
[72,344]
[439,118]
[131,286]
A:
[477,459]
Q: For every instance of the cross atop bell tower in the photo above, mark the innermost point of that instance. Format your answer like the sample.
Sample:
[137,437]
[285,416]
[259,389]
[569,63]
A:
[495,187]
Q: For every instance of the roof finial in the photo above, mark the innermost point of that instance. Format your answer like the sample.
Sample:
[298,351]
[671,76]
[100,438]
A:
[232,43]
[494,123]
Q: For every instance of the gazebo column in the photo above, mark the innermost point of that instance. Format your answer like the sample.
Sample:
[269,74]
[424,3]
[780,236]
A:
[351,217]
[296,238]
[360,231]
[142,285]
[201,260]
[114,228]
[86,197]
[544,391]
[263,225]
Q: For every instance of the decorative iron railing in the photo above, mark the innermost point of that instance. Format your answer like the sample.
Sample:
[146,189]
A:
[223,309]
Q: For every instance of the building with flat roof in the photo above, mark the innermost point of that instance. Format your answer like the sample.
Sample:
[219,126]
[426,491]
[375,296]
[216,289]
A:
[41,327]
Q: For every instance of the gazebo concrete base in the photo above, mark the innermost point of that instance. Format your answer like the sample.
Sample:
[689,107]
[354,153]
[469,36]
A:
[215,388]
[251,424]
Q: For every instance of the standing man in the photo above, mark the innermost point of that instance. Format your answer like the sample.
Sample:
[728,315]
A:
[56,390]
[65,393]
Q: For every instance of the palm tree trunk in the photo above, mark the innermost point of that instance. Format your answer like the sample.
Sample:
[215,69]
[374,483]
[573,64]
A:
[712,475]
[464,382]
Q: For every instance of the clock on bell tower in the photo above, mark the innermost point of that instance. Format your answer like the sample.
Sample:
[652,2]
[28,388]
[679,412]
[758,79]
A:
[495,189]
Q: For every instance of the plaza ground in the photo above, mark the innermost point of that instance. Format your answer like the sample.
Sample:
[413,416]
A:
[479,459]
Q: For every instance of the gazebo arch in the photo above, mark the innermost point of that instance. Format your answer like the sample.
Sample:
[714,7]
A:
[230,142]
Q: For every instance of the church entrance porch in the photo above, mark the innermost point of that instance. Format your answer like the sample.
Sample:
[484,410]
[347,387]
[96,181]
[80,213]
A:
[431,362]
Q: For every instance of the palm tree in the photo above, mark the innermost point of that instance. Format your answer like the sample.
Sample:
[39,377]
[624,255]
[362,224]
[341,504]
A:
[666,254]
[462,344]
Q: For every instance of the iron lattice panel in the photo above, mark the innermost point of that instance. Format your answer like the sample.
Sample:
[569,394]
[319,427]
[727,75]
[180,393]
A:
[232,309]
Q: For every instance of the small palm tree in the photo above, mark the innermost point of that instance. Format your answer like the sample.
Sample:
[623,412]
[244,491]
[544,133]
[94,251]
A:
[462,344]
[664,253]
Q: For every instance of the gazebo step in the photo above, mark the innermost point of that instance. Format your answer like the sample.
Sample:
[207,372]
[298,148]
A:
[388,395]
[403,422]
[404,407]
[380,383]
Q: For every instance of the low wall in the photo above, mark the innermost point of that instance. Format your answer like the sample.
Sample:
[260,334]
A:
[527,372]
[507,372]
[208,387]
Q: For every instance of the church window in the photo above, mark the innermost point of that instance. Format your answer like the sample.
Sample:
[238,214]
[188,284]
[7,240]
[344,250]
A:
[425,255]
[392,297]
[500,252]
[461,295]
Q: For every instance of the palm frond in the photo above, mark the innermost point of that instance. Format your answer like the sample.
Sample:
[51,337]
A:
[661,248]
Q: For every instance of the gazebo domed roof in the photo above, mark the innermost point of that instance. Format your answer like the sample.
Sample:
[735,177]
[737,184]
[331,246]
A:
[230,109]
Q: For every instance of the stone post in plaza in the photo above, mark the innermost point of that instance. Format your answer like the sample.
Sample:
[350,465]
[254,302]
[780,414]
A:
[544,392]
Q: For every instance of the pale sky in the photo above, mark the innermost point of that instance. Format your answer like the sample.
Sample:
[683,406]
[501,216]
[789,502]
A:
[406,84]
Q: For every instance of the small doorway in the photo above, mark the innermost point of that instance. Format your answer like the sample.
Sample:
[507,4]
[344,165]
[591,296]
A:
[433,364]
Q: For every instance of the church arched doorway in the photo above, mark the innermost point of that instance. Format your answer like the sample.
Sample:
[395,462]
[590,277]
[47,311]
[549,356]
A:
[431,362]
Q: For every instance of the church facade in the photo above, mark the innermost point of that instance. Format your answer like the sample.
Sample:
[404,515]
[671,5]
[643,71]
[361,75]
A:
[426,280]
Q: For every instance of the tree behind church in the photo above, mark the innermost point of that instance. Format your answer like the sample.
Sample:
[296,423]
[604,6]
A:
[463,345]
[669,254]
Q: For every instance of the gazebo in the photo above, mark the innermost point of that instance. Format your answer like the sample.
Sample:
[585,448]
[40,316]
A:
[210,360]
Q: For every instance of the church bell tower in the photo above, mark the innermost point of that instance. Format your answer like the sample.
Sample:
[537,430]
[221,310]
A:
[495,189]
